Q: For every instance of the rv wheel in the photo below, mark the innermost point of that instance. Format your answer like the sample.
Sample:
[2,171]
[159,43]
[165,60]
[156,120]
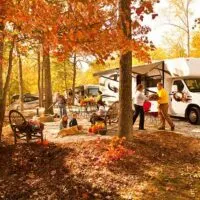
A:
[194,115]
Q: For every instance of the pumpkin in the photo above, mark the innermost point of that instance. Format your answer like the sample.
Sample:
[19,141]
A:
[93,129]
[103,125]
[90,130]
[45,143]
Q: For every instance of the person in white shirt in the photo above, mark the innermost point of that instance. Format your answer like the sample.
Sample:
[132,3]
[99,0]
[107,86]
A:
[139,102]
[99,115]
[101,111]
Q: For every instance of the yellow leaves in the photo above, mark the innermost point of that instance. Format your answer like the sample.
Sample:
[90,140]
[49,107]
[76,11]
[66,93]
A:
[195,45]
[158,54]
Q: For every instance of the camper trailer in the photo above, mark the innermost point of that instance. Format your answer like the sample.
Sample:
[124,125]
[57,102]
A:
[87,90]
[180,76]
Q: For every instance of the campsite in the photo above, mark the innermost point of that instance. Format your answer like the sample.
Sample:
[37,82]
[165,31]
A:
[99,100]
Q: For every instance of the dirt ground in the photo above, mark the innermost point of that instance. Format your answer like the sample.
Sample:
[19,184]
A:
[165,165]
[151,125]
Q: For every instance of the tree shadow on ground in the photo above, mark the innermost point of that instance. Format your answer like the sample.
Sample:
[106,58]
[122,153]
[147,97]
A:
[32,171]
[167,162]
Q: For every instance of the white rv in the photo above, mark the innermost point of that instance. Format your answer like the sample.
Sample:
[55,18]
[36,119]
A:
[87,90]
[180,76]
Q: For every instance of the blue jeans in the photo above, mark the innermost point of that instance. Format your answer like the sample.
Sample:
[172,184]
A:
[63,110]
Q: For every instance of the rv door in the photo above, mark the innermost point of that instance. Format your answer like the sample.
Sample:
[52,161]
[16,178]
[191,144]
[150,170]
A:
[178,104]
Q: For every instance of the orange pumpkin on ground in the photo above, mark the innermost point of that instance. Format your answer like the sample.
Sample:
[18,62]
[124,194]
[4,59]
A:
[90,130]
[93,129]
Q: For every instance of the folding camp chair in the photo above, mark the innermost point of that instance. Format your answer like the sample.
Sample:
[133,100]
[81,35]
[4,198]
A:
[151,116]
[22,129]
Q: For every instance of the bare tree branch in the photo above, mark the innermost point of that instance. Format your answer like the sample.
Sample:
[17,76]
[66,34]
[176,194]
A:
[175,25]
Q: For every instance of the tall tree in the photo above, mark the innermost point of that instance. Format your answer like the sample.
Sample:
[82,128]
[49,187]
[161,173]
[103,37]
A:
[6,85]
[176,48]
[182,12]
[90,27]
[158,54]
[131,15]
[4,5]
[2,17]
[47,80]
[40,92]
[196,38]
[20,79]
[74,76]
[38,21]
[125,86]
[195,45]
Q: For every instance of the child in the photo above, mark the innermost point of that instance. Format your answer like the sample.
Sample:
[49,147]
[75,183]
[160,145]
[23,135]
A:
[73,129]
[63,122]
[73,121]
[99,115]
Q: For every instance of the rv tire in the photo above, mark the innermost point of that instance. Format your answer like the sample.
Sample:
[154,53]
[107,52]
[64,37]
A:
[194,115]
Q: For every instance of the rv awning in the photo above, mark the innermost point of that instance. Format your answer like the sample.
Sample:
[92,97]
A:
[144,69]
[137,69]
[109,71]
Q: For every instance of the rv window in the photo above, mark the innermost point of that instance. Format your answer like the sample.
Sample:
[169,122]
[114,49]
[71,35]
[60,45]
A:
[114,77]
[31,98]
[93,91]
[193,84]
[179,85]
[150,82]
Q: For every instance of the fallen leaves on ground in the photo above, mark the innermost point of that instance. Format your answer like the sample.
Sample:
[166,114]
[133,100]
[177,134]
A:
[164,166]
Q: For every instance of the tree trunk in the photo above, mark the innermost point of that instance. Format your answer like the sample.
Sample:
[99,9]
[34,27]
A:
[74,79]
[42,86]
[1,64]
[39,78]
[125,82]
[65,75]
[47,77]
[2,13]
[188,44]
[1,77]
[20,79]
[5,88]
[188,29]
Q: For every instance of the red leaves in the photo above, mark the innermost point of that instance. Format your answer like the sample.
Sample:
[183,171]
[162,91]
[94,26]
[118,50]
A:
[85,195]
[154,15]
[141,17]
[116,150]
[139,10]
[44,143]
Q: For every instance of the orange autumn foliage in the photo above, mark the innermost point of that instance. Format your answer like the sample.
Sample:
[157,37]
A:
[114,151]
[89,26]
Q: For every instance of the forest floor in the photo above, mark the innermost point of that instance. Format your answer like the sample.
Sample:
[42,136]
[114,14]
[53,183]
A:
[164,165]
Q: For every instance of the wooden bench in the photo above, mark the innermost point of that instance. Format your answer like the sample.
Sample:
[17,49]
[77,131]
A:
[22,129]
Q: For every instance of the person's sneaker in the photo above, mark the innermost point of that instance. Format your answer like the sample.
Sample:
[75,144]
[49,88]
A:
[161,128]
[172,128]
